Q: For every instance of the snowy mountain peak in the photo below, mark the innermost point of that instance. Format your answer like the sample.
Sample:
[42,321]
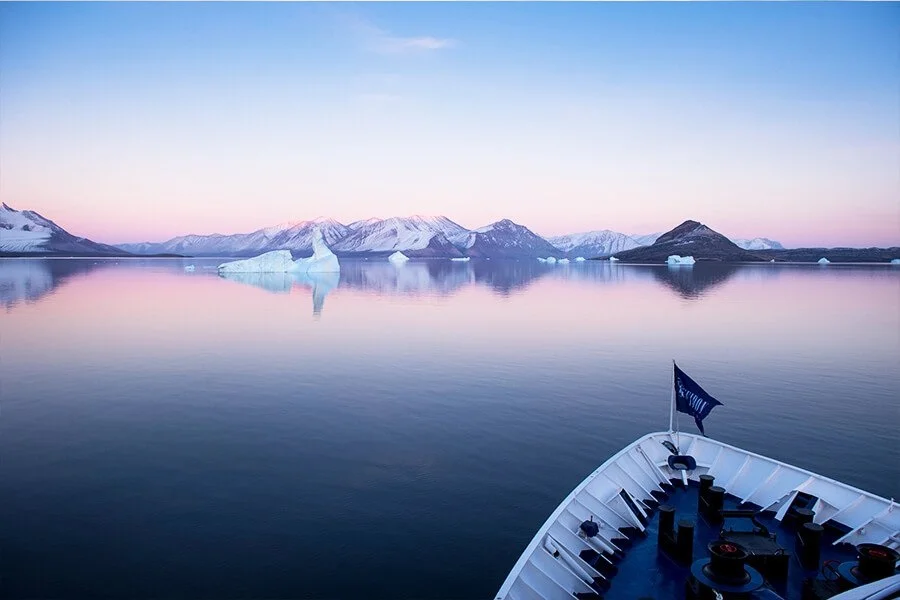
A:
[502,224]
[594,243]
[362,222]
[28,232]
[759,243]
[415,236]
[509,240]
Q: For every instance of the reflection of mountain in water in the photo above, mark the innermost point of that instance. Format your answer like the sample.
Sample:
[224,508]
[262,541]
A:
[319,283]
[506,277]
[28,280]
[439,277]
[599,271]
[692,282]
[433,277]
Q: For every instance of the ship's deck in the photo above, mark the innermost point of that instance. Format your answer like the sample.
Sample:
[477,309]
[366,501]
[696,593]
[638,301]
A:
[645,572]
[601,541]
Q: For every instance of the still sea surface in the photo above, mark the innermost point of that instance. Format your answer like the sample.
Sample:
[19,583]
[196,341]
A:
[394,432]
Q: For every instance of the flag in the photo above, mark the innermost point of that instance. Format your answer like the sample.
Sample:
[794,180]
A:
[692,399]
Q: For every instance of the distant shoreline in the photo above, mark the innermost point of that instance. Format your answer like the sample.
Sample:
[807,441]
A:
[377,259]
[84,255]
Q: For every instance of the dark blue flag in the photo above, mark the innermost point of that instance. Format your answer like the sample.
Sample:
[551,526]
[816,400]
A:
[692,399]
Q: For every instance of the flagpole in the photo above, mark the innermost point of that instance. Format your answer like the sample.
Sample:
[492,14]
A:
[672,402]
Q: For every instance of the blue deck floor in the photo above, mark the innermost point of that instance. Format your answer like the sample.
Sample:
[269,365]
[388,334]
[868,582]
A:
[645,572]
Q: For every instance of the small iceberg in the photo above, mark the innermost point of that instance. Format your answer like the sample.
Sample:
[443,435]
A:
[463,259]
[674,259]
[398,258]
[580,259]
[613,259]
[824,261]
[189,268]
[543,260]
[895,261]
[563,261]
[551,260]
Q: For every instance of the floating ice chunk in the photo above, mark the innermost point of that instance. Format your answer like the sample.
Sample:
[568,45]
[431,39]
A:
[895,261]
[277,261]
[543,260]
[824,261]
[563,261]
[613,259]
[463,259]
[551,259]
[189,268]
[322,260]
[674,259]
[580,259]
[398,258]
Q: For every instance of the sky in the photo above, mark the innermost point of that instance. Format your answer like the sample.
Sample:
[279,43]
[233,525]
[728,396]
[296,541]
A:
[129,122]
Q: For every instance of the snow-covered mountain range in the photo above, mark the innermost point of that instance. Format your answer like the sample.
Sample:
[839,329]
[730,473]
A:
[26,232]
[287,236]
[595,243]
[415,236]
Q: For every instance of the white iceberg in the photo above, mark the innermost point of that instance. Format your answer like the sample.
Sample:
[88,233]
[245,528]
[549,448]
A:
[563,261]
[464,259]
[322,260]
[580,259]
[895,261]
[189,268]
[398,258]
[543,260]
[277,261]
[674,259]
[613,259]
[824,261]
[551,259]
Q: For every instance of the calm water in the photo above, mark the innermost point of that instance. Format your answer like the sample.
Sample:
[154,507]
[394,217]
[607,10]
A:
[394,432]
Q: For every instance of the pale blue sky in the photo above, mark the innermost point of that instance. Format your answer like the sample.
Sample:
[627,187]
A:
[133,121]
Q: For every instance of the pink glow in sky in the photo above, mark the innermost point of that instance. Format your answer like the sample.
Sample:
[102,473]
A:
[768,120]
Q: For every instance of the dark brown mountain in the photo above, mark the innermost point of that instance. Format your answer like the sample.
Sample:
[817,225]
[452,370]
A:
[690,239]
